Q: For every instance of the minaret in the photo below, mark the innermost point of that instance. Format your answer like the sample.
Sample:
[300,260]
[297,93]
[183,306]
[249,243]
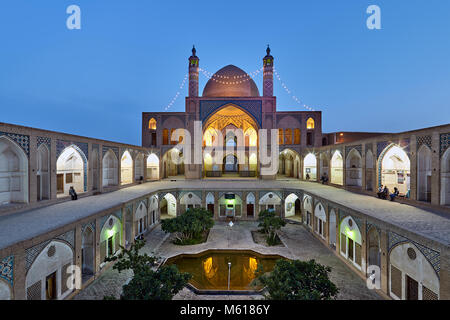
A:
[193,74]
[268,74]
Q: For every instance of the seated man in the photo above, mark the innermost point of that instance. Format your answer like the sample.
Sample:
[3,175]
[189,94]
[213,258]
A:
[73,193]
[395,194]
[380,192]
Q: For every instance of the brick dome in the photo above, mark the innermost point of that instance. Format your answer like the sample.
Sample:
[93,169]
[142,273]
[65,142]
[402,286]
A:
[230,81]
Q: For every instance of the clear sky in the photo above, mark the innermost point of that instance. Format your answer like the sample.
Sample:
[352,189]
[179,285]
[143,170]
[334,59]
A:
[131,56]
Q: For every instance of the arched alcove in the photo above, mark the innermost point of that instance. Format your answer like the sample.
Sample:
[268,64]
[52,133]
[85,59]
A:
[70,170]
[110,169]
[351,242]
[310,167]
[13,173]
[395,169]
[424,174]
[337,168]
[353,165]
[126,168]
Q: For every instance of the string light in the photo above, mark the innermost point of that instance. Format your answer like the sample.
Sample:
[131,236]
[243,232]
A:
[290,92]
[231,79]
[178,93]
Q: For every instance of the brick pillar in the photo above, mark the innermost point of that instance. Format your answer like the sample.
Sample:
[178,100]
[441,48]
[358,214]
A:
[78,245]
[413,168]
[216,205]
[19,289]
[444,284]
[384,261]
[98,229]
[435,169]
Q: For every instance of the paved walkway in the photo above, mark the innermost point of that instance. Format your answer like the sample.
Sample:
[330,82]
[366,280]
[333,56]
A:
[300,244]
[26,225]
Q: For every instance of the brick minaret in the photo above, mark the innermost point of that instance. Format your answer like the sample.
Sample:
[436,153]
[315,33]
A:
[268,74]
[193,74]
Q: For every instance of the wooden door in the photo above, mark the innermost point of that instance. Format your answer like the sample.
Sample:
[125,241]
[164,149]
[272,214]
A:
[412,289]
[210,207]
[50,287]
[250,210]
[60,183]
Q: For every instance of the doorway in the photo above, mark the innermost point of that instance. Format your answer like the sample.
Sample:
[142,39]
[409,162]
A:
[50,287]
[412,289]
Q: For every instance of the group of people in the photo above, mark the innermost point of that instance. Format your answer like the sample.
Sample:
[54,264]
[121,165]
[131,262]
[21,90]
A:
[383,193]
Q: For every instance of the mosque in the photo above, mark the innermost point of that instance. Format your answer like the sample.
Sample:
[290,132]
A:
[125,190]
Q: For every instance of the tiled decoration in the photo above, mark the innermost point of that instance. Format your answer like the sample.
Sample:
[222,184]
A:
[342,215]
[433,256]
[114,149]
[368,146]
[357,148]
[254,107]
[444,142]
[22,140]
[197,193]
[44,140]
[117,214]
[33,252]
[382,148]
[161,195]
[426,140]
[82,149]
[262,194]
[7,269]
[370,225]
[88,225]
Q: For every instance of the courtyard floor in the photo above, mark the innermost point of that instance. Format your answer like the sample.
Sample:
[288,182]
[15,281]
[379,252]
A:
[299,244]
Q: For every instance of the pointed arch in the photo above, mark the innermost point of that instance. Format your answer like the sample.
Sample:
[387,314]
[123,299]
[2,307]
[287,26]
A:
[394,169]
[71,170]
[310,124]
[337,168]
[310,167]
[353,165]
[88,251]
[351,242]
[126,168]
[13,172]
[320,219]
[411,275]
[168,206]
[152,124]
[152,167]
[139,167]
[290,205]
[424,174]
[110,169]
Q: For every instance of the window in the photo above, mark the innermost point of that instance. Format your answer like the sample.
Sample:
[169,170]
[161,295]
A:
[296,136]
[165,136]
[309,139]
[153,138]
[152,124]
[280,136]
[288,136]
[69,178]
[310,123]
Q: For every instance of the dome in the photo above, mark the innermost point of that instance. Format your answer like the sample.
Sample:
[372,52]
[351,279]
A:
[230,81]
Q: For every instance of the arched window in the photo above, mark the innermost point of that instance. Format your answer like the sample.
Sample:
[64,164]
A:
[310,123]
[288,136]
[165,136]
[280,136]
[152,124]
[296,136]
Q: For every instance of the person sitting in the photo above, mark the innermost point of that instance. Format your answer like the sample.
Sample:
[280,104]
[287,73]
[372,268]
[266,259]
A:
[395,194]
[324,178]
[380,192]
[73,193]
[307,176]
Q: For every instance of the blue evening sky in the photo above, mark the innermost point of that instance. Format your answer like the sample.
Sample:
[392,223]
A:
[131,56]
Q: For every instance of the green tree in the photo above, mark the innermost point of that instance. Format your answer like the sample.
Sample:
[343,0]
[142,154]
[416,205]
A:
[190,227]
[298,280]
[270,223]
[147,284]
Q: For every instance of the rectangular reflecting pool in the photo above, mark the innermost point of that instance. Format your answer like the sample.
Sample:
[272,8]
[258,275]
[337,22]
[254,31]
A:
[210,269]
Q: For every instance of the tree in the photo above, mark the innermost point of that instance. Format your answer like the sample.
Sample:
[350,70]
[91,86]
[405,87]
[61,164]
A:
[270,223]
[298,280]
[190,227]
[147,284]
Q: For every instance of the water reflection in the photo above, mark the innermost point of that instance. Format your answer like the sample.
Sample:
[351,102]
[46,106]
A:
[210,269]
